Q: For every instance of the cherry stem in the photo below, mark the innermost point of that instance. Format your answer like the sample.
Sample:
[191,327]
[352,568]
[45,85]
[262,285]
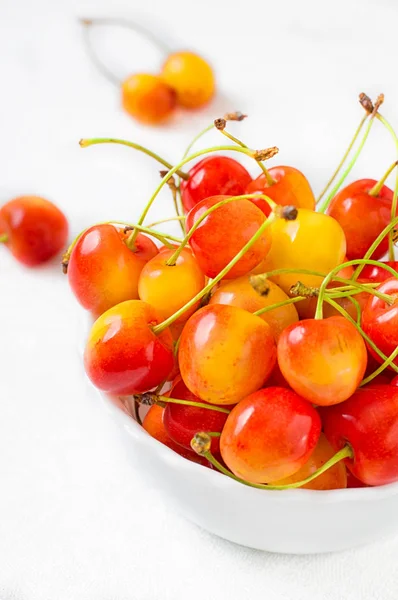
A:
[266,309]
[178,218]
[148,399]
[327,201]
[286,212]
[118,23]
[395,195]
[337,171]
[376,189]
[214,434]
[330,277]
[201,445]
[236,116]
[345,314]
[382,367]
[173,259]
[374,246]
[184,161]
[85,143]
[3,238]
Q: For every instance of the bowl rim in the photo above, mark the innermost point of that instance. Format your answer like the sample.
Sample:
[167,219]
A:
[165,454]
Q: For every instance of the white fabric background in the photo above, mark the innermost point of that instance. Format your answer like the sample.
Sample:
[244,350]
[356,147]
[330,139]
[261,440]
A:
[76,522]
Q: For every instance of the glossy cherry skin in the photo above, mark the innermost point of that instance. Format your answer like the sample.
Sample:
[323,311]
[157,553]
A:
[169,288]
[213,176]
[334,478]
[191,77]
[123,355]
[362,217]
[182,422]
[225,353]
[373,273]
[36,229]
[148,98]
[313,242]
[395,381]
[291,187]
[353,482]
[322,360]
[153,424]
[103,271]
[380,320]
[269,435]
[239,292]
[368,421]
[224,232]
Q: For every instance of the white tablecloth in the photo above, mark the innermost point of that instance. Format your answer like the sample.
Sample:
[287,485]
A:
[76,521]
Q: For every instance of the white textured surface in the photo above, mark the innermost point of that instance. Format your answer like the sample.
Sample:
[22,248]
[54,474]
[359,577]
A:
[76,521]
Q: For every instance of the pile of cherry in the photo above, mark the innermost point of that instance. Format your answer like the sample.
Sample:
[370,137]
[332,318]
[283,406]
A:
[265,338]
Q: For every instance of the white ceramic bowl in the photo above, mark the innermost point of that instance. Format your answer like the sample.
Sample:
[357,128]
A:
[290,521]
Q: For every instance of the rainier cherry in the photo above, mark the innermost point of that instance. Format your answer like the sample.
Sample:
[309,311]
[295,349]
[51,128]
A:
[169,288]
[33,229]
[363,216]
[148,98]
[322,360]
[368,421]
[213,176]
[225,353]
[224,232]
[103,271]
[191,77]
[239,292]
[285,186]
[260,448]
[123,355]
[380,319]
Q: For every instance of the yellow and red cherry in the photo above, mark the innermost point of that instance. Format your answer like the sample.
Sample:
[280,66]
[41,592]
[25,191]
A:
[191,77]
[362,216]
[224,232]
[334,478]
[33,229]
[323,360]
[103,271]
[239,292]
[285,186]
[269,435]
[214,176]
[148,98]
[368,422]
[169,287]
[123,355]
[225,353]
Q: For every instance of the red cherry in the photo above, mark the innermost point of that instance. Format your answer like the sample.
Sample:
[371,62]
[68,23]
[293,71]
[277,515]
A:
[353,482]
[103,271]
[182,422]
[291,187]
[269,435]
[123,355]
[368,421]
[224,232]
[362,216]
[395,381]
[212,176]
[34,229]
[373,273]
[380,320]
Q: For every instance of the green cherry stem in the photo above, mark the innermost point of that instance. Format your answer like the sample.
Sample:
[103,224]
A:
[376,189]
[341,163]
[173,259]
[201,443]
[355,302]
[366,259]
[179,218]
[3,238]
[196,139]
[85,143]
[345,314]
[395,196]
[324,205]
[184,161]
[382,367]
[148,399]
[266,309]
[288,212]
